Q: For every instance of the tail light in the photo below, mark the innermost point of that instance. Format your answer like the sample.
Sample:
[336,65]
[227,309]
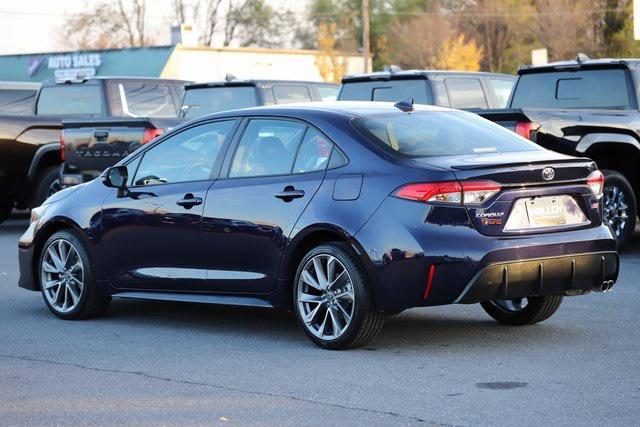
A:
[151,134]
[62,145]
[453,192]
[595,181]
[527,129]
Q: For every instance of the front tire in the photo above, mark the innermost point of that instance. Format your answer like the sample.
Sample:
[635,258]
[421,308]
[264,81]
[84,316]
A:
[47,183]
[6,206]
[523,311]
[66,278]
[619,206]
[332,298]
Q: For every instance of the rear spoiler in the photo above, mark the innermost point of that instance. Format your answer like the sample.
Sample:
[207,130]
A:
[533,162]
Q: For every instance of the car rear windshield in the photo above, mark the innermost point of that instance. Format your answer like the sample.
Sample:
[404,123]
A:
[70,100]
[389,91]
[17,102]
[605,89]
[201,101]
[440,133]
[145,98]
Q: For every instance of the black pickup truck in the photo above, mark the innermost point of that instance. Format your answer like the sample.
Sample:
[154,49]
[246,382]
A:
[588,108]
[30,155]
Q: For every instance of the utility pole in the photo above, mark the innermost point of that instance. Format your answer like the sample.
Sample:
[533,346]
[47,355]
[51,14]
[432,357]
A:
[366,49]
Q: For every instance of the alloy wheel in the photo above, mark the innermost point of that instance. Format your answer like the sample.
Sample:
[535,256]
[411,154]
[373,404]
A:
[62,275]
[325,297]
[513,305]
[615,207]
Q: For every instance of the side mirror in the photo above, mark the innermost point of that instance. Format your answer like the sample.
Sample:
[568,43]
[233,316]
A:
[116,177]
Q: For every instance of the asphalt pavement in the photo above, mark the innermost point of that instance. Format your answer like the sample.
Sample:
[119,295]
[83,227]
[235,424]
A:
[176,363]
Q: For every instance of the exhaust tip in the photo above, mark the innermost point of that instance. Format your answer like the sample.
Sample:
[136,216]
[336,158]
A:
[606,286]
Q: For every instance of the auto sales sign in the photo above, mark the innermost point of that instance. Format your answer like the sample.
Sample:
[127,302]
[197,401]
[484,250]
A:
[76,65]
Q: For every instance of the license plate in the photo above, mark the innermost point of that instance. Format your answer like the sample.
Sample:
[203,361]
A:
[546,212]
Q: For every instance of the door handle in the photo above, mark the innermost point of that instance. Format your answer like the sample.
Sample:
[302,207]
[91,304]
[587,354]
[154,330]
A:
[189,201]
[101,133]
[289,193]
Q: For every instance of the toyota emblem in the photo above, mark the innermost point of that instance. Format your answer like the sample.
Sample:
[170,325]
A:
[548,174]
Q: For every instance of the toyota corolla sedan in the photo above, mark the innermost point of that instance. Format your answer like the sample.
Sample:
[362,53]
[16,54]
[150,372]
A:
[343,213]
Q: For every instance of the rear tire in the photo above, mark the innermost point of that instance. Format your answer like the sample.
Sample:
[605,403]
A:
[536,310]
[6,206]
[66,260]
[340,296]
[47,183]
[619,206]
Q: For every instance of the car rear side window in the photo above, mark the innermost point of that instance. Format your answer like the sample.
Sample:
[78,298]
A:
[286,94]
[328,92]
[17,102]
[314,152]
[465,93]
[70,100]
[207,100]
[607,89]
[142,99]
[502,90]
[440,133]
[392,91]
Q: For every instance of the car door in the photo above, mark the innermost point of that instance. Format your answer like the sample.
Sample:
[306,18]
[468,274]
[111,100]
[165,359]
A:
[151,233]
[274,171]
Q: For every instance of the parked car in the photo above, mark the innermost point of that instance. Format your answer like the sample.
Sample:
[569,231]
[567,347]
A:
[588,108]
[456,89]
[90,146]
[207,98]
[30,156]
[485,94]
[343,212]
[17,98]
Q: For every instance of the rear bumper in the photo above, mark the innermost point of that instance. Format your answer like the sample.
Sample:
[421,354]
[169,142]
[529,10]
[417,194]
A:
[564,275]
[444,260]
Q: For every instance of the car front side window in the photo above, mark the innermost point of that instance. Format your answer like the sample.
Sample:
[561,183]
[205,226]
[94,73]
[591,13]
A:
[187,156]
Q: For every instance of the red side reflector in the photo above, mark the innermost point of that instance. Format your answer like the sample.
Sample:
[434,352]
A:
[151,134]
[427,289]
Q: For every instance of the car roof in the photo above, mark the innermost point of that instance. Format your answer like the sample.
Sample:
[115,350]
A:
[347,109]
[252,82]
[98,78]
[583,63]
[416,74]
[19,85]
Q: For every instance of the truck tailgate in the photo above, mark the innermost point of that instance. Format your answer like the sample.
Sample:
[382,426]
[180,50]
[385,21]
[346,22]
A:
[91,146]
[508,118]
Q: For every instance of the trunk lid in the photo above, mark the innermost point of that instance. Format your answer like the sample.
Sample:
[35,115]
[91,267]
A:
[545,193]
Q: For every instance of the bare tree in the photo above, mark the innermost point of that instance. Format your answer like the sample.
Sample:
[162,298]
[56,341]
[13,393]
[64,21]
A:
[134,21]
[417,43]
[212,21]
[497,25]
[564,28]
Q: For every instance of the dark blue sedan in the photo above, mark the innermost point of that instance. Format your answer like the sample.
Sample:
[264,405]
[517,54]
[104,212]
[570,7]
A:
[342,212]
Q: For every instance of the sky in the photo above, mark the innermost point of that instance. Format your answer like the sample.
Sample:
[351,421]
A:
[32,26]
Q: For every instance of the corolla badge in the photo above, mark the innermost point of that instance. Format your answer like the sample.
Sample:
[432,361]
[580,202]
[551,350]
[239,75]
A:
[548,174]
